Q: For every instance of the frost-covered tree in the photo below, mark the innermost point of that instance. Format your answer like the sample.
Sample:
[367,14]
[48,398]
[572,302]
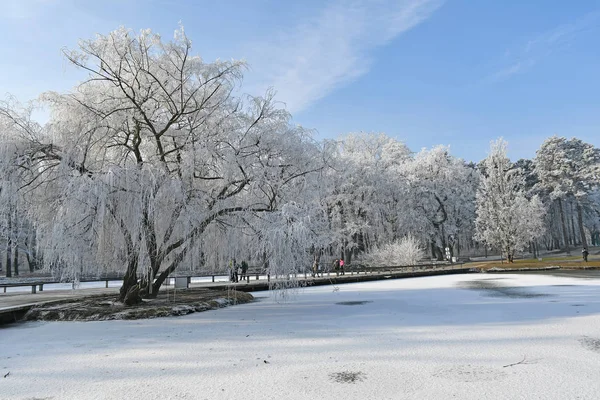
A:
[569,169]
[506,219]
[17,233]
[442,194]
[143,161]
[364,192]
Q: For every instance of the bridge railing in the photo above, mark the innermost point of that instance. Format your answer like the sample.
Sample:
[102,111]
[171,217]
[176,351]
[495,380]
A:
[255,274]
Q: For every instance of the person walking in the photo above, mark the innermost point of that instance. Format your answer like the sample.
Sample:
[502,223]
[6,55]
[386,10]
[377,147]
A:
[235,271]
[585,253]
[231,272]
[244,269]
[342,267]
[336,267]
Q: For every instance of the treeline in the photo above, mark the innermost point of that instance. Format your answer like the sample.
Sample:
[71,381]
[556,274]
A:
[153,164]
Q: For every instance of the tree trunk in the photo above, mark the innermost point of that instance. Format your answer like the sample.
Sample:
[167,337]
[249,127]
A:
[439,253]
[574,242]
[32,253]
[16,259]
[9,259]
[9,245]
[348,257]
[564,226]
[581,227]
[130,290]
[160,279]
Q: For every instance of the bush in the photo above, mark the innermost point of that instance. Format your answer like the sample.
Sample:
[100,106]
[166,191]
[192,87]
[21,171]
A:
[406,251]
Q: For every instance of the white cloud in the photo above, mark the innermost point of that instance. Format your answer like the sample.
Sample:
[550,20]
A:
[318,56]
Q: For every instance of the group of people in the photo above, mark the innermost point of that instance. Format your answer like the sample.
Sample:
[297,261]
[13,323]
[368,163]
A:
[237,271]
[338,267]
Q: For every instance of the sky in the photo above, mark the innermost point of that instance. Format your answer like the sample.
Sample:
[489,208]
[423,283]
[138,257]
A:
[426,72]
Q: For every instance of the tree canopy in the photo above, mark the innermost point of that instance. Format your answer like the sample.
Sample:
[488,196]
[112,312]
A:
[155,163]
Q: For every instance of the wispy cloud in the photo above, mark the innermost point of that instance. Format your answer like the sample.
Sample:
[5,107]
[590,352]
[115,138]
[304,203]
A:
[514,69]
[318,56]
[546,43]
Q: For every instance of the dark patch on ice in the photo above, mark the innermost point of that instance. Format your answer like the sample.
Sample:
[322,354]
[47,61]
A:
[577,305]
[590,343]
[353,303]
[565,285]
[347,377]
[494,289]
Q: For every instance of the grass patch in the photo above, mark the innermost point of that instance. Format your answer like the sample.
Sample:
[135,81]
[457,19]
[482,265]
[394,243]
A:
[104,307]
[564,262]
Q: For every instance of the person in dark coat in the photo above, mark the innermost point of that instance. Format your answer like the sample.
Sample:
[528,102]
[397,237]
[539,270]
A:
[336,266]
[244,269]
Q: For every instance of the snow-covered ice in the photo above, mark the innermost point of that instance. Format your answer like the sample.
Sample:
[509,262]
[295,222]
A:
[425,338]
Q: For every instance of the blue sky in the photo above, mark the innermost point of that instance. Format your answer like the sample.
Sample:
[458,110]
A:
[428,72]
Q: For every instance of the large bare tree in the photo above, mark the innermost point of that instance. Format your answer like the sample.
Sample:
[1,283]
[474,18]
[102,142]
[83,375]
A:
[140,159]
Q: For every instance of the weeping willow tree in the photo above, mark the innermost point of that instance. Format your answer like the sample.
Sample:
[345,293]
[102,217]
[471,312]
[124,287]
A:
[142,163]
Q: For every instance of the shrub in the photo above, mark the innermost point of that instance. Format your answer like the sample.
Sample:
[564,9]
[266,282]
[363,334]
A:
[406,251]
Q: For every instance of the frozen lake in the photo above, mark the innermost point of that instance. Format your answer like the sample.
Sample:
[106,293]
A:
[423,338]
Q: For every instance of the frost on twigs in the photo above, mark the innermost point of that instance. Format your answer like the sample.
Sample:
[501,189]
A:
[406,251]
[146,166]
[506,218]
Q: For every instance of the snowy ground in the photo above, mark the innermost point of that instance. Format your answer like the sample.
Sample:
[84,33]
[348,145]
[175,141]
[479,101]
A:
[425,338]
